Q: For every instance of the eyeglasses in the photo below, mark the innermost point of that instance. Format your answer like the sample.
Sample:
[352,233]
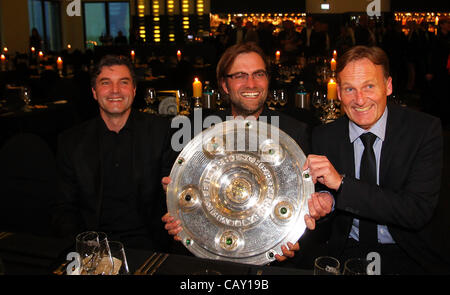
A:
[241,76]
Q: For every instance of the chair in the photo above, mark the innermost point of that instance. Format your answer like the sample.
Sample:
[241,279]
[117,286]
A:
[28,183]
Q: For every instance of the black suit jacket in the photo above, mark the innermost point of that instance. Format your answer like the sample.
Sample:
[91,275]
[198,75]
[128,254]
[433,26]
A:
[79,157]
[410,176]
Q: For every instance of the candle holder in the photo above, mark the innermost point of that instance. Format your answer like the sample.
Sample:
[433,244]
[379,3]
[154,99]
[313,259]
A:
[197,102]
[331,111]
[60,73]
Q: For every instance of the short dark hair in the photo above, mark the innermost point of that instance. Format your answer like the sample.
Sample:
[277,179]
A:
[109,61]
[375,54]
[227,59]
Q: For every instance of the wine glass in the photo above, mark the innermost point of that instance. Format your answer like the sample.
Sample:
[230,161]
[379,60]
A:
[87,247]
[119,258]
[326,265]
[219,101]
[104,261]
[356,267]
[95,256]
[150,99]
[185,103]
[274,99]
[282,97]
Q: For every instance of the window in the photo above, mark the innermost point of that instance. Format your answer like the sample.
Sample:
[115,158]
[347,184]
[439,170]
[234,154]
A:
[104,20]
[45,17]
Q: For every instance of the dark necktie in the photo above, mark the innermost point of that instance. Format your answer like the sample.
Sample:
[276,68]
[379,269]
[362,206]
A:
[368,173]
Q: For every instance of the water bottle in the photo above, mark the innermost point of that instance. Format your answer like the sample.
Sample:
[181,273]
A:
[302,99]
[208,100]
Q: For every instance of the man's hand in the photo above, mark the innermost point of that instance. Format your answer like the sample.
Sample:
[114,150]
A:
[287,253]
[165,182]
[322,171]
[319,205]
[172,226]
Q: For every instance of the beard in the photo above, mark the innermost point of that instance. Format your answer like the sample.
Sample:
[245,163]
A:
[241,109]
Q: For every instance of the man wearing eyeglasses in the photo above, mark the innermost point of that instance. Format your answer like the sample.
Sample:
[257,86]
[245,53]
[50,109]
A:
[243,78]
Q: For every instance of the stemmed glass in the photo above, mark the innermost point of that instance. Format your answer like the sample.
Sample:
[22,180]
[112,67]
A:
[326,265]
[316,99]
[185,103]
[282,97]
[26,97]
[119,258]
[274,99]
[95,255]
[219,100]
[356,266]
[150,99]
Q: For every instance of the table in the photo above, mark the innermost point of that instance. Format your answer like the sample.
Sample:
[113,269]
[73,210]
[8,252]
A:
[26,254]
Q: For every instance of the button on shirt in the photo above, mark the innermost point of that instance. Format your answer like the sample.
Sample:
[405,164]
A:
[119,205]
[379,129]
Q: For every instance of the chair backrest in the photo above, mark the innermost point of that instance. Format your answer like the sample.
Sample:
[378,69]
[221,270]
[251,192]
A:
[28,183]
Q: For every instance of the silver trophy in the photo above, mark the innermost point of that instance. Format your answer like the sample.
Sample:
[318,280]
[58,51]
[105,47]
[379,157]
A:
[239,190]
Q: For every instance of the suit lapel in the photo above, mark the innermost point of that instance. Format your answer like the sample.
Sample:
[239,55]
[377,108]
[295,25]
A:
[91,151]
[346,150]
[388,144]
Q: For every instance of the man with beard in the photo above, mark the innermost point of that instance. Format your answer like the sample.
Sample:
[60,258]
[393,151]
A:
[243,78]
[110,166]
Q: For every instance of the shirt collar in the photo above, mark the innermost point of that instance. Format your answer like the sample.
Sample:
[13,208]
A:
[379,128]
[127,125]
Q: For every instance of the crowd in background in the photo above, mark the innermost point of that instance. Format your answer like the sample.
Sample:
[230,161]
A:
[419,58]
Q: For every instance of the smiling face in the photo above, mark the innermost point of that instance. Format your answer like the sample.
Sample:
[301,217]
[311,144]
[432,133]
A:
[114,91]
[363,91]
[247,97]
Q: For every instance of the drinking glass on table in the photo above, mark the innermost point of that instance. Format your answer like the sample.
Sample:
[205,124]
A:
[326,265]
[356,267]
[150,99]
[95,256]
[119,258]
[282,97]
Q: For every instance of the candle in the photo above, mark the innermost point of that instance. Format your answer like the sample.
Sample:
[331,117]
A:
[132,56]
[3,62]
[5,49]
[179,55]
[59,63]
[334,54]
[33,50]
[197,88]
[333,65]
[332,90]
[69,46]
[41,56]
[277,55]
